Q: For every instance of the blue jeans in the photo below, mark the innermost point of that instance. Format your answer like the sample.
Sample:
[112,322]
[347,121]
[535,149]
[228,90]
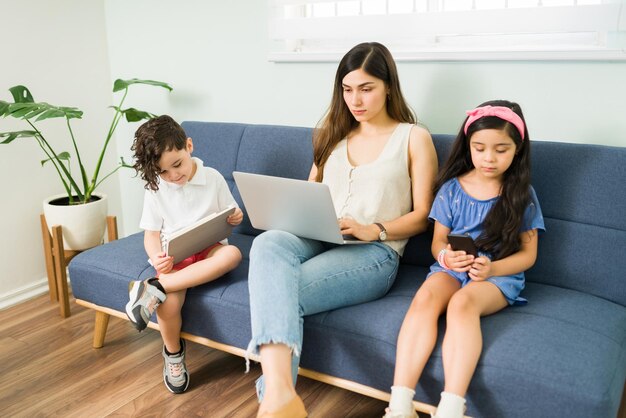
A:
[290,277]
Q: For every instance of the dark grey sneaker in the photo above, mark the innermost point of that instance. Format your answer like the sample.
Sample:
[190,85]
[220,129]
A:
[175,373]
[144,299]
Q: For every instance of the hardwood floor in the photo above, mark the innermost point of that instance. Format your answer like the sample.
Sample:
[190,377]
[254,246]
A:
[50,369]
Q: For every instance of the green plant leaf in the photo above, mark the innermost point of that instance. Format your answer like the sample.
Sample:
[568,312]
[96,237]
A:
[21,94]
[123,163]
[4,107]
[43,110]
[19,110]
[134,115]
[50,113]
[123,84]
[10,136]
[62,156]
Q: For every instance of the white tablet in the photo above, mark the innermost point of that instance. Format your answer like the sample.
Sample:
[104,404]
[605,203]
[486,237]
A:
[199,235]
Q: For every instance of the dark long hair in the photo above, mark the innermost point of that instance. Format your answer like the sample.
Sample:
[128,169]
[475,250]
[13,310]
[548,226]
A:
[152,139]
[376,60]
[501,227]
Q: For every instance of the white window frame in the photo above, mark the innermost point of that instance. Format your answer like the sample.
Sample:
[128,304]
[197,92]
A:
[578,32]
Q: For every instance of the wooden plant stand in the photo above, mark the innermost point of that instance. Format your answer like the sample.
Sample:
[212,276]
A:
[57,259]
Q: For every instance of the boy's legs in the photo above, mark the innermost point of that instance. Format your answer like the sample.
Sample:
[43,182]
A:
[219,261]
[146,295]
[170,320]
[175,375]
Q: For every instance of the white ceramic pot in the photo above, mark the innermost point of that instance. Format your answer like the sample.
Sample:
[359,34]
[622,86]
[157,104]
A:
[83,225]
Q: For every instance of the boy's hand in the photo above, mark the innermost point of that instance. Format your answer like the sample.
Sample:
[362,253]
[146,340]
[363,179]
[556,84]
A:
[236,217]
[458,261]
[481,269]
[162,263]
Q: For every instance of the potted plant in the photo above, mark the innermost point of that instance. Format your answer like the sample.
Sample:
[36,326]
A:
[80,199]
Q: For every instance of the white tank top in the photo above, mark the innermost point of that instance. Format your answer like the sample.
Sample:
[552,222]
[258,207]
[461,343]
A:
[379,191]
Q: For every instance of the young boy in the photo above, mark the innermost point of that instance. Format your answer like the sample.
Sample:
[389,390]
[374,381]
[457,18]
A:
[179,192]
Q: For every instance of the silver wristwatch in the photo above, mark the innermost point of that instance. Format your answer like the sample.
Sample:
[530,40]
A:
[382,236]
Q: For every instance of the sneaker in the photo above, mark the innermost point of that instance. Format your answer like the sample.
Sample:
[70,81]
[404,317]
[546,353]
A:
[175,373]
[144,299]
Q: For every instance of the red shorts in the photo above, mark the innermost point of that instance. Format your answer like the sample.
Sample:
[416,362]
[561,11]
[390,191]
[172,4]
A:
[195,258]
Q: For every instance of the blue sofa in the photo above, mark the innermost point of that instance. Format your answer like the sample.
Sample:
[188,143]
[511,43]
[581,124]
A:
[562,355]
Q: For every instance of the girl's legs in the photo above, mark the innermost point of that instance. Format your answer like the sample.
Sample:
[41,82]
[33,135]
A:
[291,277]
[418,333]
[417,338]
[462,344]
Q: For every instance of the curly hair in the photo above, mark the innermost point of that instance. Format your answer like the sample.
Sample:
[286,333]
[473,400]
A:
[152,139]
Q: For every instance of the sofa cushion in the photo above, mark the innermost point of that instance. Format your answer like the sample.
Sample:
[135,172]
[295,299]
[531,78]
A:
[548,348]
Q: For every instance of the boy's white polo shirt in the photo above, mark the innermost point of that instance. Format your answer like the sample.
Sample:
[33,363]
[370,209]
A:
[174,207]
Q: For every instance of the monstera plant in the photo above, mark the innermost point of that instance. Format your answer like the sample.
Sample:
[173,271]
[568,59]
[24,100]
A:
[79,185]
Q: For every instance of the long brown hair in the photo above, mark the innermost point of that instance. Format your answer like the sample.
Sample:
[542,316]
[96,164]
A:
[376,60]
[501,227]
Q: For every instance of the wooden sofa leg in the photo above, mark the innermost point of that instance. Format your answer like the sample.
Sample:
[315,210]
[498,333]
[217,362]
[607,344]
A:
[622,408]
[100,329]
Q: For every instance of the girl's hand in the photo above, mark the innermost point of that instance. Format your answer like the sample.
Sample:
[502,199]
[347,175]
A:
[481,269]
[162,264]
[236,217]
[349,226]
[458,261]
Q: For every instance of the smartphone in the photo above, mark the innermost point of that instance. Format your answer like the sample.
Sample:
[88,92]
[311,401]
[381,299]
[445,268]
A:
[463,243]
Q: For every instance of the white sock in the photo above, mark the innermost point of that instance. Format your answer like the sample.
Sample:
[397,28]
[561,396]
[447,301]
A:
[402,400]
[450,406]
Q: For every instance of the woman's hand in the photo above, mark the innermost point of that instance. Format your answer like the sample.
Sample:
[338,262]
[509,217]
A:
[481,269]
[458,261]
[349,226]
[162,263]
[236,217]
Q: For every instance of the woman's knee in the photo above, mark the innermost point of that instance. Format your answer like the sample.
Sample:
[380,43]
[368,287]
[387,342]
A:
[270,241]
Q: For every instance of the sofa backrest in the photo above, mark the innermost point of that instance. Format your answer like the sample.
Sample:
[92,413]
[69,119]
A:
[582,193]
[282,151]
[581,190]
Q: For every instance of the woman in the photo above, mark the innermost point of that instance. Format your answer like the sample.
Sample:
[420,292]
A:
[380,168]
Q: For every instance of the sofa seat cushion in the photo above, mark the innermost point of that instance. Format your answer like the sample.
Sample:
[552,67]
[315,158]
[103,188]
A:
[564,345]
[573,344]
[104,272]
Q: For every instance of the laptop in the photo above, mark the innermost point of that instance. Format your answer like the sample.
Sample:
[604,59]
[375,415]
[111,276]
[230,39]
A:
[303,208]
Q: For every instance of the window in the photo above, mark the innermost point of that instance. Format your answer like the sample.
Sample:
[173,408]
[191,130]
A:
[322,30]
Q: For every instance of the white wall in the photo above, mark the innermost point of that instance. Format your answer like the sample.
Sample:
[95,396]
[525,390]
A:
[214,54]
[58,50]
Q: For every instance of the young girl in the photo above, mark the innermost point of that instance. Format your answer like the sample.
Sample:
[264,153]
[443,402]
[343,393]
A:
[380,168]
[484,191]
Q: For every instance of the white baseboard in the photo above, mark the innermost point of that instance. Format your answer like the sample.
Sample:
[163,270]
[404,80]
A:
[23,293]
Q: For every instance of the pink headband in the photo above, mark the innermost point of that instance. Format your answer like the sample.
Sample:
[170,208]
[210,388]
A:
[501,112]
